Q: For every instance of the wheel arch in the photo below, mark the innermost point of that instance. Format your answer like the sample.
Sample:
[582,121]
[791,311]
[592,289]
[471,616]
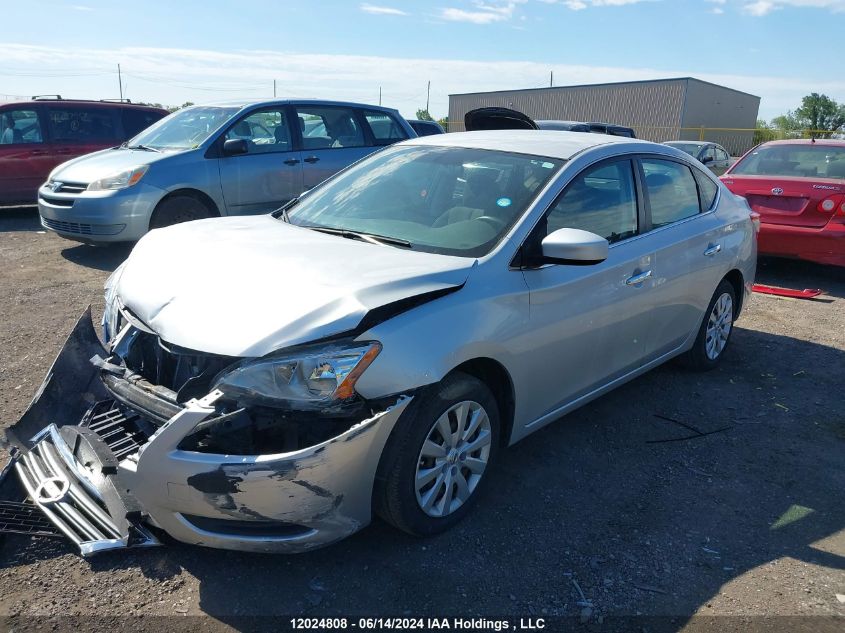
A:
[735,278]
[206,200]
[493,374]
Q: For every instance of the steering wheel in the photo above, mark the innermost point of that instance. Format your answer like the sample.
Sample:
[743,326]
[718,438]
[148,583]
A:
[496,223]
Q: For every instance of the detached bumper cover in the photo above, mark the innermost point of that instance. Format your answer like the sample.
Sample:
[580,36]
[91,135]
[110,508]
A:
[289,502]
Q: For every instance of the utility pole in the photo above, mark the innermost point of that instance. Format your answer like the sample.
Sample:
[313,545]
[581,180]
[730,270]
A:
[379,95]
[274,88]
[427,96]
[120,82]
[551,78]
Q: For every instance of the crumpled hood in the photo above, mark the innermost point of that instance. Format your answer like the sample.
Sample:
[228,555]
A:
[104,163]
[245,286]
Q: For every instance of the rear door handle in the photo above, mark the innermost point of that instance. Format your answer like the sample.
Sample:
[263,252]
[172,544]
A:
[292,161]
[638,279]
[311,159]
[712,250]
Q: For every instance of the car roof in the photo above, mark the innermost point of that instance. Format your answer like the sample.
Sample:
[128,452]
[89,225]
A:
[549,143]
[89,102]
[243,103]
[807,141]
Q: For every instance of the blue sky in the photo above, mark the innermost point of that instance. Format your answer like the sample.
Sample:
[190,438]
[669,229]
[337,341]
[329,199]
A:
[181,50]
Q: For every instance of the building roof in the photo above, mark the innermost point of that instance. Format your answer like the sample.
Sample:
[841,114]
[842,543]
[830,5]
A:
[602,85]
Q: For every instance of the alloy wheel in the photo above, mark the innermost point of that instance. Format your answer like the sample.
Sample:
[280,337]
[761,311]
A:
[453,458]
[719,326]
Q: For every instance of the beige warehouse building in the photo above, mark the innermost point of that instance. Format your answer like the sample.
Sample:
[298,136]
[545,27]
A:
[658,110]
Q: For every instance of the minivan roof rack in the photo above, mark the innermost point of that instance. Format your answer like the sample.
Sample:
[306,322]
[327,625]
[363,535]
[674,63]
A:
[45,97]
[117,100]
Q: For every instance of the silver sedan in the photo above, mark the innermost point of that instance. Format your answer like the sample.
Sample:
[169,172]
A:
[269,383]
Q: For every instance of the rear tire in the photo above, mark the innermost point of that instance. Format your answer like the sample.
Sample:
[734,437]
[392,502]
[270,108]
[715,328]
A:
[177,209]
[715,331]
[456,462]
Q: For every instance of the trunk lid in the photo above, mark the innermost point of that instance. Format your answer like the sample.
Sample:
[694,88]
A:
[789,200]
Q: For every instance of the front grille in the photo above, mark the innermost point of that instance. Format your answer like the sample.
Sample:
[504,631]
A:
[124,431]
[80,228]
[24,518]
[57,202]
[71,187]
[54,486]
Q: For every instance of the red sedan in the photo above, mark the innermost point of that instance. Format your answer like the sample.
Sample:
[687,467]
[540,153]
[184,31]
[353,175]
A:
[798,188]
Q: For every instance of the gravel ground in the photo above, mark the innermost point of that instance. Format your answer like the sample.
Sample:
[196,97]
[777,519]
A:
[748,521]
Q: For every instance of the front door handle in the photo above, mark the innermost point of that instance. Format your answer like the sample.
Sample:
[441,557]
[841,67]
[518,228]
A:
[311,159]
[638,279]
[712,250]
[38,152]
[292,161]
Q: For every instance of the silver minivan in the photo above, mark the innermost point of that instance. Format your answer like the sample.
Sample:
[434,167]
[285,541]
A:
[209,160]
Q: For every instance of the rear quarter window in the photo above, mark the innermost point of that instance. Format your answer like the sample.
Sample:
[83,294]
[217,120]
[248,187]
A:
[707,190]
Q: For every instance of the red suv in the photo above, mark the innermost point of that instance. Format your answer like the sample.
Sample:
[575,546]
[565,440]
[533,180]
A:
[37,135]
[798,188]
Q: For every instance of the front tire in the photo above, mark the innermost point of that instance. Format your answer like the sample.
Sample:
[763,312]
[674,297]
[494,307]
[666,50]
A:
[438,457]
[177,209]
[715,332]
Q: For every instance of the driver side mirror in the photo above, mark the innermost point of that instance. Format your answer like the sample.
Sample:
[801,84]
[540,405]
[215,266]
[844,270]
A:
[235,146]
[706,159]
[574,246]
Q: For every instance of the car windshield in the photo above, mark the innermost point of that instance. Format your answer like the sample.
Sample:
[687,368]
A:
[807,161]
[446,200]
[185,129]
[690,148]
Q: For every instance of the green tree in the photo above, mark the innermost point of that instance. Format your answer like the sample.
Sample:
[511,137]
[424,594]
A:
[423,115]
[184,105]
[444,123]
[764,132]
[821,113]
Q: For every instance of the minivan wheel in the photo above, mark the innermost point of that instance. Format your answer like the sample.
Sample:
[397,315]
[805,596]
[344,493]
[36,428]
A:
[178,209]
[715,332]
[438,457]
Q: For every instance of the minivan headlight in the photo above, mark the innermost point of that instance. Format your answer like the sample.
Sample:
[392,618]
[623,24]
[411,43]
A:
[308,377]
[120,180]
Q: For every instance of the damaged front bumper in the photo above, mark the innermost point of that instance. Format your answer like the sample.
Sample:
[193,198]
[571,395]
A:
[103,486]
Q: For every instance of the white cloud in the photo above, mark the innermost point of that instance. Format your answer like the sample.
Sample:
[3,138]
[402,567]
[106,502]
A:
[80,7]
[764,7]
[482,12]
[579,5]
[173,76]
[377,10]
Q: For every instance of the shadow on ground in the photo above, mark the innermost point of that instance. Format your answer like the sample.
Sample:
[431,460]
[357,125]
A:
[15,219]
[796,274]
[99,257]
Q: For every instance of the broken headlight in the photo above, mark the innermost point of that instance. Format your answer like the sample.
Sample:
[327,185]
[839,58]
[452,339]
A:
[308,377]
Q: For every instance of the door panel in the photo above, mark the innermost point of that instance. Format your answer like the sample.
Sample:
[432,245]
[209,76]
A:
[270,174]
[587,325]
[25,159]
[680,238]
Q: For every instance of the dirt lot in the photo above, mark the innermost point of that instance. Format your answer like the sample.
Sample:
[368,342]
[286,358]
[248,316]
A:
[747,521]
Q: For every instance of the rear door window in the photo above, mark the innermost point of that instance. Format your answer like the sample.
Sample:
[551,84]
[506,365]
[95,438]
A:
[20,127]
[672,192]
[82,125]
[385,129]
[325,127]
[722,155]
[707,190]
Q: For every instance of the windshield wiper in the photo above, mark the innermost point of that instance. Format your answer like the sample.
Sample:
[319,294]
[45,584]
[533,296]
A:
[372,238]
[146,148]
[282,211]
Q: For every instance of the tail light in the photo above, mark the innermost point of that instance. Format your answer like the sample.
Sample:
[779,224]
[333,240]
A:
[755,220]
[829,204]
